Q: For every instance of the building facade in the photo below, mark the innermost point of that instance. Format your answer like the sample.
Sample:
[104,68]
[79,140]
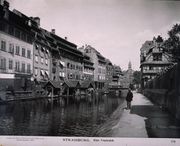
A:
[70,60]
[109,73]
[88,69]
[16,49]
[99,66]
[42,54]
[154,60]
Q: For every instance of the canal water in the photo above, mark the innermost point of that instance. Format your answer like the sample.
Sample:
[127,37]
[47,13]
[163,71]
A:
[40,118]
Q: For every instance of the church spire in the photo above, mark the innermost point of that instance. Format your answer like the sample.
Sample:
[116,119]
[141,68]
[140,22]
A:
[129,65]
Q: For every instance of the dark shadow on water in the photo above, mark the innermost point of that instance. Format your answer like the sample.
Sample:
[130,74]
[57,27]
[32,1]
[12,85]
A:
[43,118]
[159,123]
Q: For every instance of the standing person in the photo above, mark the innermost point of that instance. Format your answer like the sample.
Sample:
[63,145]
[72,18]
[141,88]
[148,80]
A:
[129,98]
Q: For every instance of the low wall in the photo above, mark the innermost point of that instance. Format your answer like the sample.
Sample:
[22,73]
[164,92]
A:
[157,96]
[164,90]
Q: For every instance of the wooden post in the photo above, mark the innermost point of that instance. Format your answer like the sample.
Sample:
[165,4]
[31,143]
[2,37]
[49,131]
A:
[52,94]
[67,95]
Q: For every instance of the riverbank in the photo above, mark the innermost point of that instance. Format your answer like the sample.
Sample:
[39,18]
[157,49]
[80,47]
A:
[145,119]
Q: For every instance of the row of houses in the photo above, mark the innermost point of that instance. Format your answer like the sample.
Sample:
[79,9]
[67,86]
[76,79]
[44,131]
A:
[30,54]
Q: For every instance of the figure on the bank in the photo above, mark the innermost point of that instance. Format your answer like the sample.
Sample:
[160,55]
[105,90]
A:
[129,98]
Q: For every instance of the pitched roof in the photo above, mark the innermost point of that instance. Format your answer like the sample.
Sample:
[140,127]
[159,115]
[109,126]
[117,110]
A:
[87,84]
[55,84]
[71,84]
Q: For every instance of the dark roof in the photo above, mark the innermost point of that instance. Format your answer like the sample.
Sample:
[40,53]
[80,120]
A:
[55,84]
[87,84]
[64,41]
[71,84]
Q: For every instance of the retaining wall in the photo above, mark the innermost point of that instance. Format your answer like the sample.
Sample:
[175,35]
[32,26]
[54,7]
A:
[164,90]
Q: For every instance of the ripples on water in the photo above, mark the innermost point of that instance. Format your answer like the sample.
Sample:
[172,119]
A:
[40,118]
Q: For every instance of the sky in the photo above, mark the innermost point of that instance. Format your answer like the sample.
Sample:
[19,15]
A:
[116,28]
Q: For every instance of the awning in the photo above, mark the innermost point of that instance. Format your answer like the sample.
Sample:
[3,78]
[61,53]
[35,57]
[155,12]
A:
[47,73]
[47,51]
[62,63]
[43,48]
[42,72]
[37,46]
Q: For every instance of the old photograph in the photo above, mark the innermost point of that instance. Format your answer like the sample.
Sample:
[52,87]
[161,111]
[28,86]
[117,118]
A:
[90,68]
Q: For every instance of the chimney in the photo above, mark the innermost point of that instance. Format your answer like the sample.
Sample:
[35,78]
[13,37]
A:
[37,20]
[5,4]
[66,38]
[1,2]
[6,9]
[53,31]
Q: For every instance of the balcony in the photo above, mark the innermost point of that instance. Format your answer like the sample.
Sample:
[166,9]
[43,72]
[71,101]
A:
[151,71]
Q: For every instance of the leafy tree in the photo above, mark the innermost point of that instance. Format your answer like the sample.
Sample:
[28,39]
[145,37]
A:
[159,39]
[172,44]
[137,77]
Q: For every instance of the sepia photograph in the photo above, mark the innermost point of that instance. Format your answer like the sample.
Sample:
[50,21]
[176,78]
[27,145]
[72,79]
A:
[90,72]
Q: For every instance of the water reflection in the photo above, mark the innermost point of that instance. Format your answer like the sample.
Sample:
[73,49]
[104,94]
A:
[41,118]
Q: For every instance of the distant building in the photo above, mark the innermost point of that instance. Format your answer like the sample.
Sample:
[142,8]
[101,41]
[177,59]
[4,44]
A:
[116,75]
[127,76]
[109,73]
[99,66]
[16,49]
[153,60]
[71,60]
[42,53]
[130,73]
[88,69]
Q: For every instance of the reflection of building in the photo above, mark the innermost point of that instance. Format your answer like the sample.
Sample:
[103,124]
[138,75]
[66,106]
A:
[16,49]
[153,60]
[99,66]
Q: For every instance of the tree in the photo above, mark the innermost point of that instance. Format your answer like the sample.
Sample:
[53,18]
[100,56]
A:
[172,44]
[159,39]
[137,77]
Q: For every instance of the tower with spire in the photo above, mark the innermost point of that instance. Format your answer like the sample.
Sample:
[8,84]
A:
[130,72]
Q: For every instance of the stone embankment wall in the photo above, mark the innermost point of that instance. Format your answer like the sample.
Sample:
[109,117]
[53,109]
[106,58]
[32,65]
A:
[164,90]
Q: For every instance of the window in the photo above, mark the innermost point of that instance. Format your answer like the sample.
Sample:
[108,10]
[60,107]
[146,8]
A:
[157,57]
[3,27]
[42,60]
[29,54]
[151,68]
[10,64]
[23,52]
[3,45]
[23,67]
[46,61]
[11,48]
[17,50]
[36,58]
[17,33]
[99,70]
[68,65]
[29,39]
[17,66]
[23,36]
[36,71]
[29,68]
[11,30]
[3,63]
